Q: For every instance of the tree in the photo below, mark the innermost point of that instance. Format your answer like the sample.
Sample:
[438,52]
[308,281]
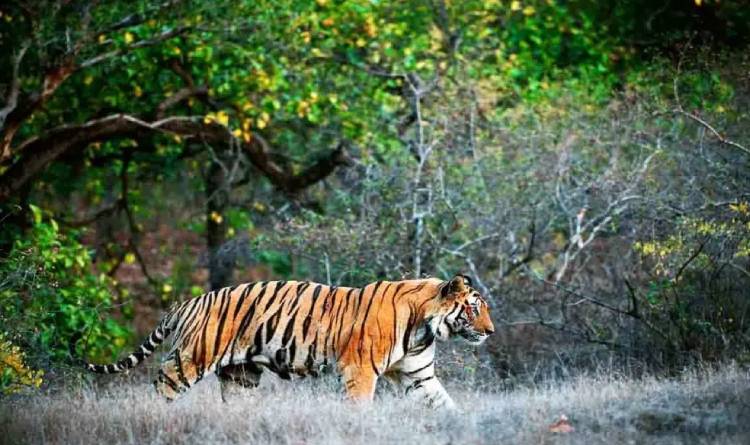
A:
[64,50]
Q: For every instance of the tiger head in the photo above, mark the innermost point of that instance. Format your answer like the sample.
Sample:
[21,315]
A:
[463,312]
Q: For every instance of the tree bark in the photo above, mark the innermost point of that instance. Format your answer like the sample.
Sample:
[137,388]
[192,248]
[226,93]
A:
[220,266]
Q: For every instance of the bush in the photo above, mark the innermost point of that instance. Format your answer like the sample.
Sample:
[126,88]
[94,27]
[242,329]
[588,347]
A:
[50,292]
[695,305]
[15,375]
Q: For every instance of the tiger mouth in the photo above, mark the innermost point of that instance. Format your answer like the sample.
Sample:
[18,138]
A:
[474,338]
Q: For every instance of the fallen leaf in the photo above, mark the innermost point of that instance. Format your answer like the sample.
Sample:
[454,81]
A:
[562,425]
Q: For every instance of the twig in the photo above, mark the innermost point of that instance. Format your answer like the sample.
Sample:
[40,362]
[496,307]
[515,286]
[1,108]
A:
[724,140]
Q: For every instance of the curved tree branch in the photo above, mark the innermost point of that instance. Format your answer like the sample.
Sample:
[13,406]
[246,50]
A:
[14,117]
[39,152]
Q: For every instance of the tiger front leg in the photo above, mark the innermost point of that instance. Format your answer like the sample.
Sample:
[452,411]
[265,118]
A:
[417,375]
[359,383]
[432,392]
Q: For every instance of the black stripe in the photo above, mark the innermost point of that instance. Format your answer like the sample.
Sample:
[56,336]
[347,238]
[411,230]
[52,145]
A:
[424,343]
[191,306]
[395,325]
[200,317]
[339,331]
[223,313]
[310,360]
[314,347]
[289,330]
[232,344]
[200,359]
[367,314]
[328,307]
[334,310]
[172,384]
[316,293]
[282,369]
[180,309]
[243,295]
[416,371]
[279,285]
[248,317]
[301,288]
[178,365]
[372,362]
[453,309]
[198,302]
[306,324]
[274,319]
[258,340]
[154,341]
[292,352]
[416,289]
[271,325]
[407,333]
[139,356]
[418,383]
[280,357]
[343,308]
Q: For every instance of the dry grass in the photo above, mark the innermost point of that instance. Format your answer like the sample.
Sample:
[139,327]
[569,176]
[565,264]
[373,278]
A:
[705,407]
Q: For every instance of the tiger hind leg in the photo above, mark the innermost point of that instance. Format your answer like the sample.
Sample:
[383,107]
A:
[176,375]
[238,376]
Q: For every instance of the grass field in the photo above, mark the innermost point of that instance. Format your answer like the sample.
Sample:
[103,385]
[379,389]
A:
[699,407]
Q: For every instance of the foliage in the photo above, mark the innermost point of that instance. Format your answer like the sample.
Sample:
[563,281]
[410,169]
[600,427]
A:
[15,375]
[529,143]
[694,302]
[50,292]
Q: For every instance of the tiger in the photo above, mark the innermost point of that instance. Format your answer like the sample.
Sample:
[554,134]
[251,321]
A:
[293,328]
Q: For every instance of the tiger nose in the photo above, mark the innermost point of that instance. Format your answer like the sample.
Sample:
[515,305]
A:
[489,330]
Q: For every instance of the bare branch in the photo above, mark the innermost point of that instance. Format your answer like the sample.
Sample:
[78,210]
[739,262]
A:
[583,234]
[528,255]
[680,110]
[724,140]
[11,96]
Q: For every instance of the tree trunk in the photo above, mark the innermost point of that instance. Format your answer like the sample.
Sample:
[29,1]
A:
[220,265]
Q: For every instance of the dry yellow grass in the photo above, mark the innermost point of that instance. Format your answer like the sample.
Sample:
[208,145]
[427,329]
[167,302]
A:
[700,407]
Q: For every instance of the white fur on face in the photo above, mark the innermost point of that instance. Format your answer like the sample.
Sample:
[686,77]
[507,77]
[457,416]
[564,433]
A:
[453,323]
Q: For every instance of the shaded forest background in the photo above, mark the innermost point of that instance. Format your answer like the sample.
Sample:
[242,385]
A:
[585,162]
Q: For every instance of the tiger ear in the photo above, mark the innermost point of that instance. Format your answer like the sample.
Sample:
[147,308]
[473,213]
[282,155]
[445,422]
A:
[455,285]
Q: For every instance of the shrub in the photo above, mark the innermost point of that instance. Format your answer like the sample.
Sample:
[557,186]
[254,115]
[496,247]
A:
[695,304]
[15,375]
[50,291]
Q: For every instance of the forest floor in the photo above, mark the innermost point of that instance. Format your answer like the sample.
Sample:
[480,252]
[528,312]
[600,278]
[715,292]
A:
[699,407]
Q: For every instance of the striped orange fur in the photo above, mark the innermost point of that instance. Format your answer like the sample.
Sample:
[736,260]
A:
[386,328]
